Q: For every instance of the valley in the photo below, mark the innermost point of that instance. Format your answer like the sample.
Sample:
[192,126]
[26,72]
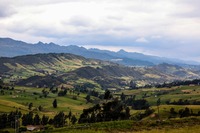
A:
[74,101]
[63,92]
[99,66]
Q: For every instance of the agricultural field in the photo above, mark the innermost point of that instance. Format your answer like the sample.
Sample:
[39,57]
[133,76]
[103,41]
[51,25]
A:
[21,97]
[165,94]
[169,126]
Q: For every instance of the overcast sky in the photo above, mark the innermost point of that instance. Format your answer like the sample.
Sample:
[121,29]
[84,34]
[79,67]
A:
[169,28]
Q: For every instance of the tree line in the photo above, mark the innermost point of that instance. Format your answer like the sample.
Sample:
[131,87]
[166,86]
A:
[14,117]
[182,113]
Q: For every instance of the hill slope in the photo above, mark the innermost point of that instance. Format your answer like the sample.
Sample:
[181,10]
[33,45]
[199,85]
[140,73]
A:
[45,69]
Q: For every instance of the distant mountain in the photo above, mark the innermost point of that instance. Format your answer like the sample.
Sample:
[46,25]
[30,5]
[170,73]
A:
[11,48]
[60,68]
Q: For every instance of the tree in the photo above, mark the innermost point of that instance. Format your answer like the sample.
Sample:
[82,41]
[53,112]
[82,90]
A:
[3,120]
[93,118]
[45,120]
[65,92]
[27,119]
[1,82]
[139,104]
[40,108]
[172,111]
[62,93]
[45,93]
[127,112]
[73,119]
[70,114]
[107,95]
[123,97]
[88,98]
[55,103]
[30,106]
[184,113]
[36,120]
[158,104]
[133,85]
[59,119]
[12,88]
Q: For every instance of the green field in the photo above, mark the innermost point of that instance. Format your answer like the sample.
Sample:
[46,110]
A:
[170,126]
[20,97]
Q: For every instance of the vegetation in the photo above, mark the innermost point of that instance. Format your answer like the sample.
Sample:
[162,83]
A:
[116,107]
[47,70]
[91,95]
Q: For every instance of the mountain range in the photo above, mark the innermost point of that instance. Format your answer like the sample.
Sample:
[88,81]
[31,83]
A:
[12,48]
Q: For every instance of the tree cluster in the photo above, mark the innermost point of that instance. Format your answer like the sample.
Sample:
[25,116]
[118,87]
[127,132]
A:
[84,87]
[62,92]
[114,110]
[178,83]
[140,116]
[183,113]
[8,120]
[184,102]
[136,104]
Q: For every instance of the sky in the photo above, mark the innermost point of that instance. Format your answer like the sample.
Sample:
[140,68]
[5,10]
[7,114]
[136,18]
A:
[166,28]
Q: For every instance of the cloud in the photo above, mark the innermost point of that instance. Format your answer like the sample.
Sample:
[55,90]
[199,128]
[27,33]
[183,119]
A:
[156,37]
[123,23]
[142,40]
[80,21]
[6,10]
[109,18]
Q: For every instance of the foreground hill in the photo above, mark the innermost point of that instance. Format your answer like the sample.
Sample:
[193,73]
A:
[11,48]
[47,69]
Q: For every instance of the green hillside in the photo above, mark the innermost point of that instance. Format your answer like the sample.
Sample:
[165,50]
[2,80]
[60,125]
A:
[21,97]
[42,70]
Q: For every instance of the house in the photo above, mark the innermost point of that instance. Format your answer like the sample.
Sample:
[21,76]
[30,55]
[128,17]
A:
[34,127]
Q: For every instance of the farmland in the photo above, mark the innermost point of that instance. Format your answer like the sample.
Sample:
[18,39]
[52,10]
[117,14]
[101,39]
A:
[73,93]
[20,97]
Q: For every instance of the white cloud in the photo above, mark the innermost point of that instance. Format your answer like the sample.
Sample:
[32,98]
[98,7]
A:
[142,40]
[122,18]
[118,22]
[156,37]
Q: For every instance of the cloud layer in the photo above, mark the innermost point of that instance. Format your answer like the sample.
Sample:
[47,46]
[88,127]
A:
[166,28]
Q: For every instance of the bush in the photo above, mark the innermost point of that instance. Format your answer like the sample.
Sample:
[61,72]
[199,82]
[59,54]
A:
[22,129]
[74,97]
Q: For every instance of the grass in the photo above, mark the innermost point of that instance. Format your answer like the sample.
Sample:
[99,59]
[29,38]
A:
[184,125]
[193,129]
[186,129]
[22,96]
[174,93]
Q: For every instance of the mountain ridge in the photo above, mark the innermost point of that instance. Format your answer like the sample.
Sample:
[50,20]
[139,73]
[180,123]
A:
[10,48]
